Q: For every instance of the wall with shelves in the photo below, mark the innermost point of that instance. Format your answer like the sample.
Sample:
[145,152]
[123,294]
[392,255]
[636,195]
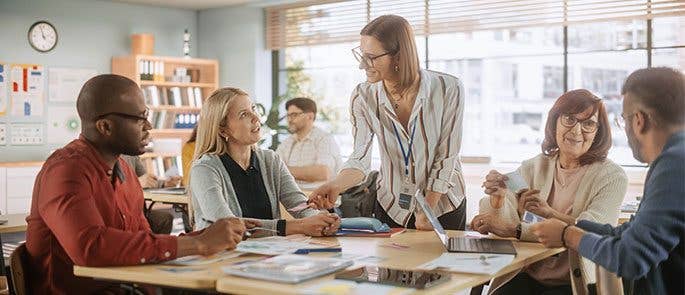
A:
[90,33]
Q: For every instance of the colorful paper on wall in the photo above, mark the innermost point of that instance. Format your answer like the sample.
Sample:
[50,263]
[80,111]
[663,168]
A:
[3,89]
[27,91]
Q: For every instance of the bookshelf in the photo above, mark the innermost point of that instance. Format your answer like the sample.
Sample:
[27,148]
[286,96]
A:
[174,89]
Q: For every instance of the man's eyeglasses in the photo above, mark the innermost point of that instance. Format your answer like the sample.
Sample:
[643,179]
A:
[365,59]
[586,126]
[621,119]
[294,115]
[140,119]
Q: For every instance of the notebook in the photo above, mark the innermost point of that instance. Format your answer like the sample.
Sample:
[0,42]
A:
[287,268]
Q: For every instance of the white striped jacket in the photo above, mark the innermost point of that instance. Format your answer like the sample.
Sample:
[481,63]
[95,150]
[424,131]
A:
[434,161]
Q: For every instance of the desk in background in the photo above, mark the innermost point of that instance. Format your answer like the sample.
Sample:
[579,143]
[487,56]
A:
[178,202]
[423,247]
[16,223]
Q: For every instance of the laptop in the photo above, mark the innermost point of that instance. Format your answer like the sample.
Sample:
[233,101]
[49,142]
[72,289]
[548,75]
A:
[463,244]
[167,190]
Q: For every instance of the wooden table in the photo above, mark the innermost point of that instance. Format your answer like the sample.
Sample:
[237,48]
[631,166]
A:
[423,247]
[16,223]
[178,202]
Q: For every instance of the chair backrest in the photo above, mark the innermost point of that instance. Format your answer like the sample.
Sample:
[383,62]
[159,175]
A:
[18,262]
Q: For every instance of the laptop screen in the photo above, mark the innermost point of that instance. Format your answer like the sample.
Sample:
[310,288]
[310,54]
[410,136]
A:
[437,227]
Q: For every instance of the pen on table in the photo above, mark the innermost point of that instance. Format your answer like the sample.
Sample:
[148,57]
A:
[312,250]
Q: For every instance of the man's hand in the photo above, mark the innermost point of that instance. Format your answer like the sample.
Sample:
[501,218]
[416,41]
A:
[172,181]
[148,180]
[223,234]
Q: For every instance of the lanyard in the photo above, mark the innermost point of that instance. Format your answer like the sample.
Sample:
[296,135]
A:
[406,155]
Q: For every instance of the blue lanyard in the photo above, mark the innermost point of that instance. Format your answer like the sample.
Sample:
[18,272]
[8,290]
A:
[406,155]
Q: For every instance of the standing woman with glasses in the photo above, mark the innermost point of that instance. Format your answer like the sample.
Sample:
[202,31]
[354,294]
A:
[571,180]
[417,116]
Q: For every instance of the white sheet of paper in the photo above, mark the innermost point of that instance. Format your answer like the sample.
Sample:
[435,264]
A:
[515,182]
[479,263]
[275,245]
[202,260]
[64,84]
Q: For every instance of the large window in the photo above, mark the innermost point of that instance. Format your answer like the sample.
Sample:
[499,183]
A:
[511,77]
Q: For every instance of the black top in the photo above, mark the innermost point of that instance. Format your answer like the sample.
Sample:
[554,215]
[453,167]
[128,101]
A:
[249,187]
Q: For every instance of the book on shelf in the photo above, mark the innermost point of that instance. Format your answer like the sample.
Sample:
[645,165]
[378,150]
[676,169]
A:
[198,97]
[189,98]
[175,97]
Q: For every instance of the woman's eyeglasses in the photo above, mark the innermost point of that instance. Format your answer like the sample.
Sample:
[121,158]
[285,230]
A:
[365,59]
[586,126]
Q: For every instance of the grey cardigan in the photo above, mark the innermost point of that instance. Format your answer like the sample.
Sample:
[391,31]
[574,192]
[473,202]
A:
[213,196]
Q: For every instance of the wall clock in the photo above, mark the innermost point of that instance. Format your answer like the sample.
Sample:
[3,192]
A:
[42,36]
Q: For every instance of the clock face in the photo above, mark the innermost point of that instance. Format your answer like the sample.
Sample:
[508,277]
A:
[42,36]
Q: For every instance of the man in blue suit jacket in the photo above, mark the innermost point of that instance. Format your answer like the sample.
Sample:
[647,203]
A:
[647,252]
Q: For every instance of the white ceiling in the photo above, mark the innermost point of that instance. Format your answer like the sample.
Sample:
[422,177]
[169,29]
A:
[205,4]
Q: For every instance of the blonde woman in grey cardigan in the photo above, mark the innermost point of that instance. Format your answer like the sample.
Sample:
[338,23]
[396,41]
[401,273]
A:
[232,177]
[572,179]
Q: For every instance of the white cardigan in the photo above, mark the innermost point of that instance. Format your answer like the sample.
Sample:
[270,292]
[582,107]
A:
[598,198]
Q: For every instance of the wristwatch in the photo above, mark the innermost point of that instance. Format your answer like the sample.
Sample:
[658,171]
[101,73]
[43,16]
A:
[518,231]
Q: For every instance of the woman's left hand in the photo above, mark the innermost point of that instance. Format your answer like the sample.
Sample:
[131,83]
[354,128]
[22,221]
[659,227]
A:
[489,223]
[531,202]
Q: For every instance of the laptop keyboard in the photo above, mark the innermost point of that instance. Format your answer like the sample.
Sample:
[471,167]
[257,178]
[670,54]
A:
[471,245]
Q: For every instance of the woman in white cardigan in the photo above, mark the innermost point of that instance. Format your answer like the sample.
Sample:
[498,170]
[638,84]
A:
[572,179]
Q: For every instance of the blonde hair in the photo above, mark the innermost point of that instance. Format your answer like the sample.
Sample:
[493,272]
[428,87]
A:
[397,37]
[213,114]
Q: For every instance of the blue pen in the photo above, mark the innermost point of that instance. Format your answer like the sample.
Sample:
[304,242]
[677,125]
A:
[307,251]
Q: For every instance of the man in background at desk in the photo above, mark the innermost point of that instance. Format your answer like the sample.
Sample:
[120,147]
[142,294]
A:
[648,251]
[161,221]
[87,204]
[311,154]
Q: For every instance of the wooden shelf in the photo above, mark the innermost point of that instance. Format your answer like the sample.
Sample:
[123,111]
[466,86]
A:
[174,108]
[176,84]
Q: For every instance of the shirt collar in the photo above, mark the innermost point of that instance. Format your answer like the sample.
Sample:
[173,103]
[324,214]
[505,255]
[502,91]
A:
[100,162]
[675,139]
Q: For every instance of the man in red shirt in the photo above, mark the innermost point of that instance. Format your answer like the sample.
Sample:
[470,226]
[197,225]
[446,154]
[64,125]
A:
[87,203]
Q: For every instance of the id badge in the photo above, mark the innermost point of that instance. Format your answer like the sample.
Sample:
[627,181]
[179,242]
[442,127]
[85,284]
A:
[407,191]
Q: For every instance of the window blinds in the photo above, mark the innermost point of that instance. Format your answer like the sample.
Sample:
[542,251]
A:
[321,22]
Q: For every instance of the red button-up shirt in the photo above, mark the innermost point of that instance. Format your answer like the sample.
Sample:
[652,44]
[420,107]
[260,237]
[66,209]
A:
[81,216]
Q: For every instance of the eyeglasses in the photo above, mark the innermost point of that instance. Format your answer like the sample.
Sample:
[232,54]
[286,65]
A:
[586,126]
[139,119]
[294,115]
[365,59]
[621,119]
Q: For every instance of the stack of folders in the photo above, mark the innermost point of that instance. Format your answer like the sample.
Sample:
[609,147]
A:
[287,268]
